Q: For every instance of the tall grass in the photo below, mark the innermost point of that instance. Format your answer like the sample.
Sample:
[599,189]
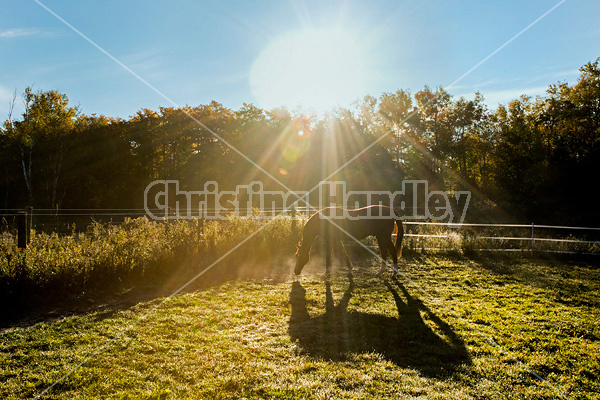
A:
[136,248]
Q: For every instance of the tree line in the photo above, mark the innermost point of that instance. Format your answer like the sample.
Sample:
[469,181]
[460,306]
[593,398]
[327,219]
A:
[534,159]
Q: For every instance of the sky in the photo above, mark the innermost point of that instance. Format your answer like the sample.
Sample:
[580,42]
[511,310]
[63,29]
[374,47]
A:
[151,54]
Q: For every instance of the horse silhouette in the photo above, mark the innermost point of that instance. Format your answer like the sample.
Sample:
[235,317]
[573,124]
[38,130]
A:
[379,221]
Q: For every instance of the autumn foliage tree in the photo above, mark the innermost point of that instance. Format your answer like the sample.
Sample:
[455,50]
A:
[533,159]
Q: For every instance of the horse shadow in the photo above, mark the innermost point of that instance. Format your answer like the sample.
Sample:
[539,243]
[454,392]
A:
[408,340]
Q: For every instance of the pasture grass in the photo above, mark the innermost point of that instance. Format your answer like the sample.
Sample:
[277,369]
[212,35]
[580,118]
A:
[449,328]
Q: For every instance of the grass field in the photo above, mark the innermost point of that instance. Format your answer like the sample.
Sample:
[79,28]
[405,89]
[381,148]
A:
[449,328]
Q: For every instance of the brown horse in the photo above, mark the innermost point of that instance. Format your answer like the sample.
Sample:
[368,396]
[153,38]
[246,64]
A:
[359,223]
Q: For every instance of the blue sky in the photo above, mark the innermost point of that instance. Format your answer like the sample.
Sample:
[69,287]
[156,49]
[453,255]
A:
[197,51]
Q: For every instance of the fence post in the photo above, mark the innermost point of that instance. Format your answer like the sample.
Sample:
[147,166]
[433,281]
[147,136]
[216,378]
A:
[293,215]
[167,215]
[57,226]
[532,237]
[293,227]
[29,211]
[22,229]
[201,224]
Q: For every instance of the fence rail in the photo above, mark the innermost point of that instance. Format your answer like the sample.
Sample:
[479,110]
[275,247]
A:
[53,219]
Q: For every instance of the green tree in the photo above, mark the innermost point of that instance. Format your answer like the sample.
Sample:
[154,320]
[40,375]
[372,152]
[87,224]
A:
[42,139]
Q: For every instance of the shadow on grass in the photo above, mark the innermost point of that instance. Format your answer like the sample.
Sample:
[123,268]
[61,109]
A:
[408,341]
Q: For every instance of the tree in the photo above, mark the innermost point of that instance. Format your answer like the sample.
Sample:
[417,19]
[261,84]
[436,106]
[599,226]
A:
[397,110]
[42,138]
[431,106]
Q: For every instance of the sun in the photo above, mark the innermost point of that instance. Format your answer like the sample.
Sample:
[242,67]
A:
[315,69]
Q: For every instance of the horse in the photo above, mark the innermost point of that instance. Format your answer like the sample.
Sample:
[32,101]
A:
[358,225]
